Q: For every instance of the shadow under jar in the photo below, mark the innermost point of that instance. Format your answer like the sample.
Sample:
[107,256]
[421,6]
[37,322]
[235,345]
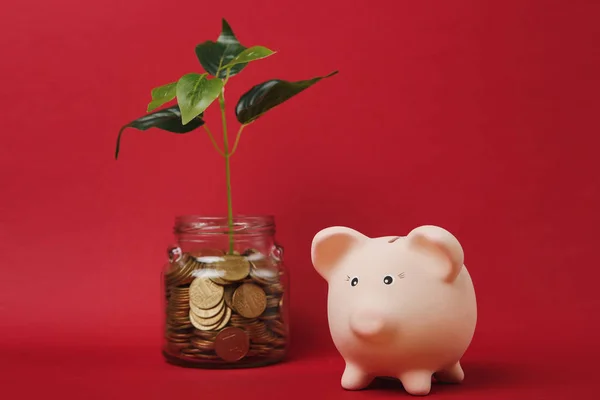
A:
[225,294]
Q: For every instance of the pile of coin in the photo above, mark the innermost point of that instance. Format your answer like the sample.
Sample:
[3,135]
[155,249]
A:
[225,308]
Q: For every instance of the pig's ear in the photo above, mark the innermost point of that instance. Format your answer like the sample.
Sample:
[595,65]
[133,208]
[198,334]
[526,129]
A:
[442,242]
[330,245]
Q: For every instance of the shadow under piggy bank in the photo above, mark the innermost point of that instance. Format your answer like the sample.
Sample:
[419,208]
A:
[478,376]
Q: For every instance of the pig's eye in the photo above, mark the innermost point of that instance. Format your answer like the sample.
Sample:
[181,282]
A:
[388,280]
[354,281]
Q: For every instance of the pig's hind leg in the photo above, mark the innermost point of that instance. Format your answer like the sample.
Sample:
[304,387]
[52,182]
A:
[416,382]
[354,378]
[453,374]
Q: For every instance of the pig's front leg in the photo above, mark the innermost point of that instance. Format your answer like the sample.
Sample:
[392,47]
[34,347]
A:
[453,374]
[416,382]
[355,378]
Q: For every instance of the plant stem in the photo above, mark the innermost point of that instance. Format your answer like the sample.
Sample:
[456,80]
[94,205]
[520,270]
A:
[212,139]
[227,170]
[237,139]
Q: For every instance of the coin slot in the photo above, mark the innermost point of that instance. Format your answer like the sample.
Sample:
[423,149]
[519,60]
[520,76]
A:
[393,239]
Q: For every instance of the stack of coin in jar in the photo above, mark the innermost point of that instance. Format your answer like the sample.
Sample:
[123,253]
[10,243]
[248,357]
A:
[224,308]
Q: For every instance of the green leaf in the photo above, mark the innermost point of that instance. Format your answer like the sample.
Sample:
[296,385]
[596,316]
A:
[161,95]
[250,54]
[195,93]
[264,96]
[168,119]
[214,55]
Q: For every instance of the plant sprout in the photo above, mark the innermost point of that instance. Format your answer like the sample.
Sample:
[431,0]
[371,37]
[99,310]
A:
[195,92]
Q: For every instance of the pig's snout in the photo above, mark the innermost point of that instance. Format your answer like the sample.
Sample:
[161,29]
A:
[369,324]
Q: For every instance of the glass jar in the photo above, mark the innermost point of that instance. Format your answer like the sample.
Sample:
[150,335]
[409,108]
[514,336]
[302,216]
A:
[225,292]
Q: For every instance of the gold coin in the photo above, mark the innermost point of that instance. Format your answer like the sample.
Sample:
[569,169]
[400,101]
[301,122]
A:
[198,325]
[249,300]
[204,293]
[220,281]
[211,312]
[225,319]
[214,274]
[232,268]
[208,321]
[218,325]
[206,253]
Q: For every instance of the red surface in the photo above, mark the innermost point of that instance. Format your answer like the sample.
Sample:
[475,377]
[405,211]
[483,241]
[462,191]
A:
[480,118]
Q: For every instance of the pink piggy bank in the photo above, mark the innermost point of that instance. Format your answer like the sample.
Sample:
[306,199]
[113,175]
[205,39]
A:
[401,307]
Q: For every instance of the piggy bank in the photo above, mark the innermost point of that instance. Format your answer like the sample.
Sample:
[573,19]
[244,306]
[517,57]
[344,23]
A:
[398,306]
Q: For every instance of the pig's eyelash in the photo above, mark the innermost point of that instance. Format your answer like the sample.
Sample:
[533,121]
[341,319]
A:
[347,278]
[401,275]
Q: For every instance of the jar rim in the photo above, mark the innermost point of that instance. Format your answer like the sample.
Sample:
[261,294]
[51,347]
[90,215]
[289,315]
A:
[219,224]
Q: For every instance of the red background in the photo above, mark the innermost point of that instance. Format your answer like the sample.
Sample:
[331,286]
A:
[481,118]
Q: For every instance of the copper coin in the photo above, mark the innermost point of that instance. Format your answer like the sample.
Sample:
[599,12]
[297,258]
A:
[176,347]
[202,344]
[191,351]
[249,300]
[178,335]
[181,271]
[269,314]
[272,301]
[278,327]
[207,335]
[279,342]
[204,293]
[228,295]
[264,272]
[205,356]
[278,353]
[232,344]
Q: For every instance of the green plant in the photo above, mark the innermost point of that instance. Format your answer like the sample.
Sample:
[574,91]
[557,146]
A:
[195,92]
